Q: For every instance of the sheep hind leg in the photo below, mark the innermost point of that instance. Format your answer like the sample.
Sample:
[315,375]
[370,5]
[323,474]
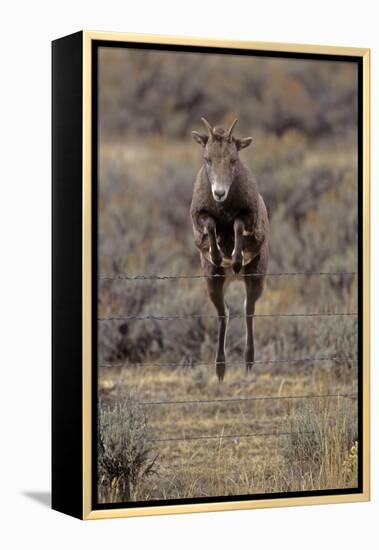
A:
[249,349]
[216,294]
[254,287]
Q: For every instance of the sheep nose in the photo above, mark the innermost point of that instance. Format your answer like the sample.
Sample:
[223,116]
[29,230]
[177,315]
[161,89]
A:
[219,194]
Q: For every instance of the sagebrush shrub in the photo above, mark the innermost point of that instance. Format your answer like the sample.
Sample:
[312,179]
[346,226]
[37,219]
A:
[125,450]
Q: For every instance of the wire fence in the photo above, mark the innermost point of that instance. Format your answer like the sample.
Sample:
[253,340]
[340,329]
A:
[216,467]
[297,360]
[252,398]
[225,436]
[142,277]
[236,436]
[231,316]
[165,438]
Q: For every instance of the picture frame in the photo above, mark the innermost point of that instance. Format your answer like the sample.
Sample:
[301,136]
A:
[77,133]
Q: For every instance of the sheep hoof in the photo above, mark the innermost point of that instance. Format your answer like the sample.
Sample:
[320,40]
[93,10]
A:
[237,264]
[220,370]
[216,259]
[249,365]
[249,359]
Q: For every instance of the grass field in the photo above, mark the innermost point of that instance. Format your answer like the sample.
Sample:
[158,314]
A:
[314,455]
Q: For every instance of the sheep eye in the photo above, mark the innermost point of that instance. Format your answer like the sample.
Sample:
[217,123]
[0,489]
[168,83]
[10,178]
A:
[208,160]
[233,161]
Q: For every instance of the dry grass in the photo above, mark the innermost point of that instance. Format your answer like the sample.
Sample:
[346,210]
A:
[315,456]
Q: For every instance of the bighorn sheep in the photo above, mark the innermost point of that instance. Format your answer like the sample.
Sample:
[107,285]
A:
[230,226]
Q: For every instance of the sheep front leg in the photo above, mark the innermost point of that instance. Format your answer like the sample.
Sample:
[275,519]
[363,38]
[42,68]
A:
[237,255]
[209,228]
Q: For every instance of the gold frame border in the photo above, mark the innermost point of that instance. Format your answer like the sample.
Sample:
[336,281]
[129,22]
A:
[88,513]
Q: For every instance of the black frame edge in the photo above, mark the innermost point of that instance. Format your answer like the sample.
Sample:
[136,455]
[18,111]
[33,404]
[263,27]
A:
[67,131]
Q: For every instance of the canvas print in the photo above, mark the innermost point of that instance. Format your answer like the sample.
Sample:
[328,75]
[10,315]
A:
[228,290]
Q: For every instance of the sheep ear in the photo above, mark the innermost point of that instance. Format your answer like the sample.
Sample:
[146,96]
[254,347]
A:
[242,143]
[200,138]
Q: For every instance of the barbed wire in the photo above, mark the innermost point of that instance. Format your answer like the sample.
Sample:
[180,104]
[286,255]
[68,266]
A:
[228,465]
[167,439]
[209,364]
[232,316]
[253,398]
[141,277]
[227,436]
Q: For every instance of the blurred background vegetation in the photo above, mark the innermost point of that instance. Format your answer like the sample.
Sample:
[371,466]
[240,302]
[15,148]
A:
[302,115]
